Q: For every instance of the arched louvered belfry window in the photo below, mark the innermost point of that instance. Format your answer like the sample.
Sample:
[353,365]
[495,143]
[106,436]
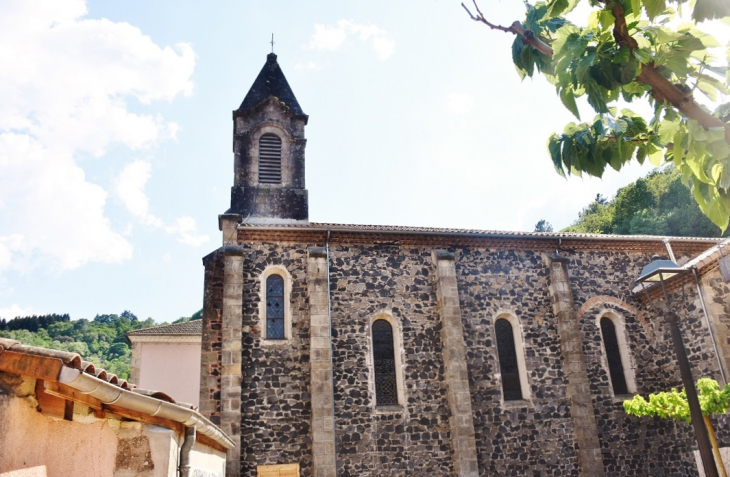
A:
[386,384]
[508,365]
[269,159]
[613,356]
[275,307]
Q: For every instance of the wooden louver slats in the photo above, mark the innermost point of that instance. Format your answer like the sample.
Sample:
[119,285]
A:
[269,159]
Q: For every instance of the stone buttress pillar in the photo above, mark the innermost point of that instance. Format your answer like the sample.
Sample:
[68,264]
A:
[323,404]
[231,341]
[588,448]
[457,378]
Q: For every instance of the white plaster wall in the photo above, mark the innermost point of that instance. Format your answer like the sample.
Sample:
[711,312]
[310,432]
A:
[209,462]
[173,368]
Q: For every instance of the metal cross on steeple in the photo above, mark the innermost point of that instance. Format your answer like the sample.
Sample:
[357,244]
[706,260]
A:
[272,42]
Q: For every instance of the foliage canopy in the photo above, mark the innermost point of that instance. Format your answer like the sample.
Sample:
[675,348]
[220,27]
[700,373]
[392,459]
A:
[634,51]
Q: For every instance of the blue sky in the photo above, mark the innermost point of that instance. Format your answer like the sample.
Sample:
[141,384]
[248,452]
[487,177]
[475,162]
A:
[115,135]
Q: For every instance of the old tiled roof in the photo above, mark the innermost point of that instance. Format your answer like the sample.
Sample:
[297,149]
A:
[271,82]
[193,327]
[450,231]
[113,393]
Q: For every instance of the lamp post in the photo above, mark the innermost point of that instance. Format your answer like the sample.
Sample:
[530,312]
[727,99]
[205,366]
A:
[658,271]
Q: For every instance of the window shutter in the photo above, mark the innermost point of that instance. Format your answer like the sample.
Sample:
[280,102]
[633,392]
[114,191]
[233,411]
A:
[269,159]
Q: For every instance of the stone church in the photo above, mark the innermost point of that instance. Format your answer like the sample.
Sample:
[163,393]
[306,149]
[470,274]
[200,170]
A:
[363,350]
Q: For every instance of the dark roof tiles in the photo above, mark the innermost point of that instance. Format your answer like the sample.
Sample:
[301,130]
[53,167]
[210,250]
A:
[271,82]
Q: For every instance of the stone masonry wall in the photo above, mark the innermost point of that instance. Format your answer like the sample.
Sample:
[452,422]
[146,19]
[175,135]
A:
[532,437]
[633,446]
[535,436]
[412,439]
[210,358]
[276,400]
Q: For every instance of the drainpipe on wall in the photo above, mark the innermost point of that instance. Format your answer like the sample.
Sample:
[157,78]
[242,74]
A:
[186,450]
[704,309]
[709,326]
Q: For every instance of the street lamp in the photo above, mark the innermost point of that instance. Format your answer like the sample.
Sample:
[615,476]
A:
[658,271]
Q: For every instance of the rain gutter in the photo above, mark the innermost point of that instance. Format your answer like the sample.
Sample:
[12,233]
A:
[110,394]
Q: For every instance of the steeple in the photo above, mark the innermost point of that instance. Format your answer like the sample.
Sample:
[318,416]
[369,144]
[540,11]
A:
[271,82]
[268,148]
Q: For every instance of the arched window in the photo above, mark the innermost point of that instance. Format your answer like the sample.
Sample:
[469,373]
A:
[508,364]
[613,356]
[269,159]
[386,384]
[275,307]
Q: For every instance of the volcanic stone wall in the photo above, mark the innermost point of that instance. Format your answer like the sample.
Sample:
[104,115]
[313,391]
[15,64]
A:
[532,437]
[633,446]
[535,436]
[275,401]
[414,437]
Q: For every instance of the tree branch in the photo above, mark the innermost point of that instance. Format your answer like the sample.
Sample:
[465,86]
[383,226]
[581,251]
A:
[661,88]
[528,37]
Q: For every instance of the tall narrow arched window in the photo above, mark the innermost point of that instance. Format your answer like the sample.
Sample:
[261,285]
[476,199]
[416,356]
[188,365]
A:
[275,307]
[613,356]
[508,364]
[386,384]
[269,159]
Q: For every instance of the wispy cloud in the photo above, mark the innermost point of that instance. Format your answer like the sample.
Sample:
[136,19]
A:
[333,37]
[63,93]
[15,311]
[130,189]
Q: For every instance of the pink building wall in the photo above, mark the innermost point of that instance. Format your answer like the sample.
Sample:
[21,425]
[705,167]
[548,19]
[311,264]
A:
[173,368]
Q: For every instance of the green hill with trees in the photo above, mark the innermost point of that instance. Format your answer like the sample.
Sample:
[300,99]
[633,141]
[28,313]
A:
[658,204]
[100,341]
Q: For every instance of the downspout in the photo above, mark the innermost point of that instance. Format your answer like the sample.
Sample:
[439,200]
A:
[709,326]
[704,310]
[186,450]
[332,347]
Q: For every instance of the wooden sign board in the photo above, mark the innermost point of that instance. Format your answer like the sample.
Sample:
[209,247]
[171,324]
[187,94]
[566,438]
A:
[281,470]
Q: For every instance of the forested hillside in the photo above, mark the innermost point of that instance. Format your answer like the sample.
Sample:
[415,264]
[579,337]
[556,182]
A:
[658,204]
[100,340]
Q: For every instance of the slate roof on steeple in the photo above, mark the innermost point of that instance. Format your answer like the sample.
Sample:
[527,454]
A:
[271,82]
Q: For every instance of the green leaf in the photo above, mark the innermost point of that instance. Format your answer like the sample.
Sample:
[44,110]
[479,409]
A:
[710,9]
[554,149]
[654,7]
[568,99]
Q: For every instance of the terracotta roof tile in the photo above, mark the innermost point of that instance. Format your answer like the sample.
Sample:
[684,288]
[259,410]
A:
[193,327]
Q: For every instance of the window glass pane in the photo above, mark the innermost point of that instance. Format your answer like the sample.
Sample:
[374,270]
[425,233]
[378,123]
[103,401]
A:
[386,389]
[508,361]
[613,356]
[275,307]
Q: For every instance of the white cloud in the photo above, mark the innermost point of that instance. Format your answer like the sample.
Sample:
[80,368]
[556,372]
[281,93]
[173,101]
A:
[15,311]
[64,91]
[459,104]
[130,189]
[333,37]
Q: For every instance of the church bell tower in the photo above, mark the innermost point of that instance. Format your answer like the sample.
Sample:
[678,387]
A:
[268,147]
